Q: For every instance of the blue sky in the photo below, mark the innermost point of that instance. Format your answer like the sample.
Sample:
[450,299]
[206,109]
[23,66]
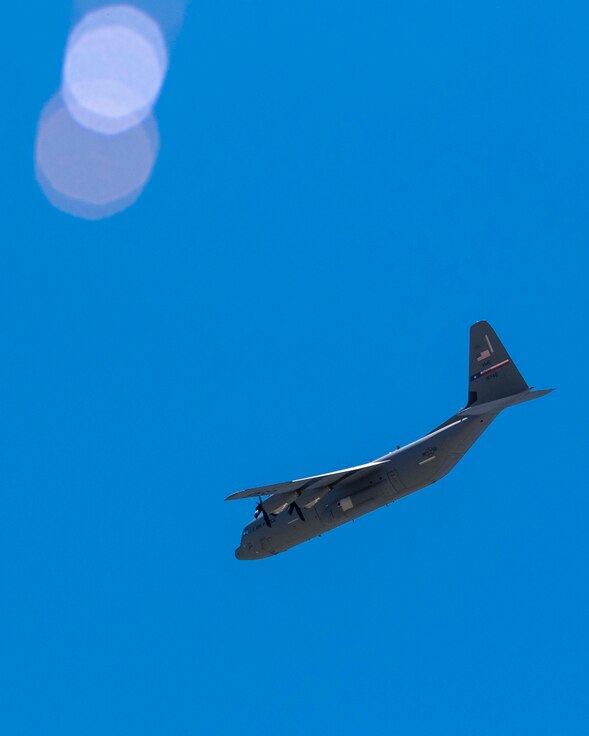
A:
[341,190]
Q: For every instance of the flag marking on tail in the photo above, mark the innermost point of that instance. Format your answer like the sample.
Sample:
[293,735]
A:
[484,354]
[490,370]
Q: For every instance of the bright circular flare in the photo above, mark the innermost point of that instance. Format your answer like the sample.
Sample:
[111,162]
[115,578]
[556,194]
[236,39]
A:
[88,174]
[114,68]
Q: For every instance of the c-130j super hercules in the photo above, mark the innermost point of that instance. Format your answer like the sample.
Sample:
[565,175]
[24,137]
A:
[298,510]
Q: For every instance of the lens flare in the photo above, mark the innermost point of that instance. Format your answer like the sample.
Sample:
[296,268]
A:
[168,13]
[114,68]
[89,174]
[97,140]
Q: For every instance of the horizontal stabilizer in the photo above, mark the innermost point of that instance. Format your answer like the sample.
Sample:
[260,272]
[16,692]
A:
[499,404]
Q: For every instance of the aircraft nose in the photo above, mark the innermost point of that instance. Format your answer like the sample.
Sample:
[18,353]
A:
[239,553]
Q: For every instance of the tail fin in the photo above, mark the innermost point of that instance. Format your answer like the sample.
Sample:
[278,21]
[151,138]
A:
[492,374]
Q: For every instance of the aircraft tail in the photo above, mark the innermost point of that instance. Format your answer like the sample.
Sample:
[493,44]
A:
[492,374]
[494,382]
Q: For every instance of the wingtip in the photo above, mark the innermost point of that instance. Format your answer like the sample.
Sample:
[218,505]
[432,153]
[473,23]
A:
[248,493]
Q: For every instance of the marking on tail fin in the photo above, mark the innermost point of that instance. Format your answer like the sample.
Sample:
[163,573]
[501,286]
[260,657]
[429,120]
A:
[484,354]
[490,370]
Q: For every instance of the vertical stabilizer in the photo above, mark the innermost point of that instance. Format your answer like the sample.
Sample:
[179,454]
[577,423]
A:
[492,374]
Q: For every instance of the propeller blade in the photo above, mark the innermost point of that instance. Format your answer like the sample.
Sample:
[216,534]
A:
[295,507]
[261,510]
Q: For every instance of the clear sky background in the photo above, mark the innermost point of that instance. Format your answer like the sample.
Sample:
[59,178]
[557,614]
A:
[342,189]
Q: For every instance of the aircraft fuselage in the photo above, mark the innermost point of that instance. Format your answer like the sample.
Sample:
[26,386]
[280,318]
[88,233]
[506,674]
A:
[298,510]
[398,474]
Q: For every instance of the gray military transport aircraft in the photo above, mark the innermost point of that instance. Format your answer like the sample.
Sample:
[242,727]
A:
[299,510]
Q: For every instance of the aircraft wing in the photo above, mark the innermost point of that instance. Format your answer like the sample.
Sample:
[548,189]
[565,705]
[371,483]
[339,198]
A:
[313,481]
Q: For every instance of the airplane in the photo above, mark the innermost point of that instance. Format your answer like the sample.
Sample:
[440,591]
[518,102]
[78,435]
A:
[296,511]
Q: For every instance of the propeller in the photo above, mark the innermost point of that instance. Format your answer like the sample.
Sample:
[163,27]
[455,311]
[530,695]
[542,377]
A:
[295,507]
[261,510]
